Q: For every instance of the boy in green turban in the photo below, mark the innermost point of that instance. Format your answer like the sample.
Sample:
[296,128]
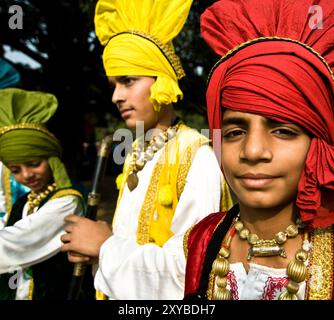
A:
[30,242]
[10,189]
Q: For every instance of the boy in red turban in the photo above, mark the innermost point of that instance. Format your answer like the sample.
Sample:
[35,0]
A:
[272,96]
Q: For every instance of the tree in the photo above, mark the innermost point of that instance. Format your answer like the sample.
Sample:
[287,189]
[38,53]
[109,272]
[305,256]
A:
[60,36]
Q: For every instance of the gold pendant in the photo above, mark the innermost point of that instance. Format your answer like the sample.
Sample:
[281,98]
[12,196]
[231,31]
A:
[266,248]
[132,181]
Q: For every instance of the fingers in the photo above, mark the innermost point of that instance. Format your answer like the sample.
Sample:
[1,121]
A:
[72,218]
[66,247]
[65,238]
[102,222]
[76,258]
[68,227]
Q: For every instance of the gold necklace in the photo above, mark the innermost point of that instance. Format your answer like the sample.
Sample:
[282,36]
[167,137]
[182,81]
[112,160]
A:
[35,198]
[266,248]
[296,270]
[142,154]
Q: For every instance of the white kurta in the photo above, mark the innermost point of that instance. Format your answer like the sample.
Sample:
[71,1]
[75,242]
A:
[260,283]
[128,270]
[36,237]
[3,208]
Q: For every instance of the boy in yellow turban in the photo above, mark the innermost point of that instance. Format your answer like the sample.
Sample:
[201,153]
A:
[30,242]
[169,183]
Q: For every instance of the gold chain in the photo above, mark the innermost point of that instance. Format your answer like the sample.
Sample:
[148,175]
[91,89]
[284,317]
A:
[266,248]
[142,154]
[35,198]
[296,270]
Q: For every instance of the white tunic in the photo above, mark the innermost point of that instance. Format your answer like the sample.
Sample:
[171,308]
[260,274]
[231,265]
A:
[128,270]
[260,283]
[35,238]
[3,208]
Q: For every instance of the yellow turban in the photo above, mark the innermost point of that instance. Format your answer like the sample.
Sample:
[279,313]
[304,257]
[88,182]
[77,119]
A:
[137,35]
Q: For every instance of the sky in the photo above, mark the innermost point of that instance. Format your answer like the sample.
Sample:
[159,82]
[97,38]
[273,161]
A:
[19,57]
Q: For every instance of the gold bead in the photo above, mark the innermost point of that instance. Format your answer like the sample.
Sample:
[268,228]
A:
[140,163]
[35,202]
[297,271]
[154,148]
[224,252]
[221,282]
[238,226]
[287,296]
[244,233]
[159,142]
[252,238]
[301,255]
[149,154]
[292,287]
[280,237]
[50,188]
[292,231]
[221,294]
[163,136]
[171,133]
[220,267]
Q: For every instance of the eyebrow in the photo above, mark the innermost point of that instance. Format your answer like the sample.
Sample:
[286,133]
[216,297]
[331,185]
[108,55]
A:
[243,121]
[234,120]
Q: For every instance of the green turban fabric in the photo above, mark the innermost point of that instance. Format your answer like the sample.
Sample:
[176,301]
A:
[23,136]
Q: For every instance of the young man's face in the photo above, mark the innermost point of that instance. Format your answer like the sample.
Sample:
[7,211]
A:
[131,95]
[262,159]
[34,174]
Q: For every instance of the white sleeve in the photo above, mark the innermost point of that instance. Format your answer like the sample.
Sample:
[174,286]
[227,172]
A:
[131,271]
[36,237]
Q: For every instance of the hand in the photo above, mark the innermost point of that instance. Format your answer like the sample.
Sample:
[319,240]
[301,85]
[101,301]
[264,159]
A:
[84,236]
[79,258]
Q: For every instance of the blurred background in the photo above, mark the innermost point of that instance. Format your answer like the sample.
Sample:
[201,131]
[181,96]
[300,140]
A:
[56,51]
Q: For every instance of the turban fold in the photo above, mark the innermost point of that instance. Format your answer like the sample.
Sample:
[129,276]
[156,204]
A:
[23,136]
[281,69]
[137,36]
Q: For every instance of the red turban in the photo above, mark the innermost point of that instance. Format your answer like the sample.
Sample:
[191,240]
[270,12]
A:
[277,61]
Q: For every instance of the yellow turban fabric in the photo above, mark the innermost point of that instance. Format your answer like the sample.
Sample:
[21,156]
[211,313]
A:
[137,35]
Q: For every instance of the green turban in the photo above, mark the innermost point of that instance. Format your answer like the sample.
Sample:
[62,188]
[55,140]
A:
[23,136]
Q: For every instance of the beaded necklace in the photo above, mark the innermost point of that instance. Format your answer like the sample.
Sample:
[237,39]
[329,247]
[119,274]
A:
[296,269]
[143,153]
[35,198]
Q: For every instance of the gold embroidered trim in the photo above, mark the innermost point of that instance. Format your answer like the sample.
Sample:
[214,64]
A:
[250,42]
[148,207]
[166,50]
[32,126]
[31,289]
[185,165]
[99,295]
[146,211]
[185,241]
[211,286]
[66,192]
[320,282]
[8,191]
